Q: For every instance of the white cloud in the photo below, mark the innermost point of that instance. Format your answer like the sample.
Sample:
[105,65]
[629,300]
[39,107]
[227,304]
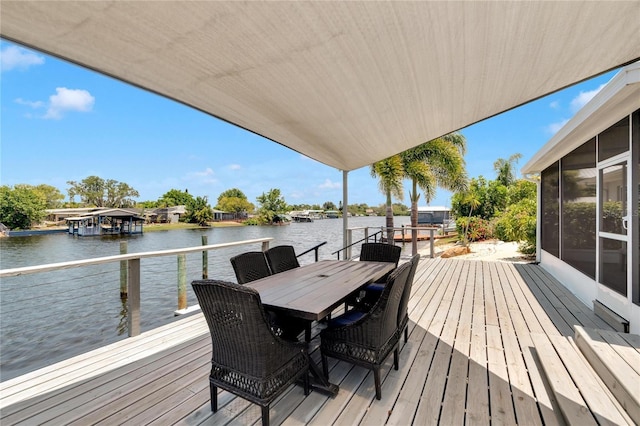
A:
[234,167]
[554,105]
[328,184]
[31,104]
[206,176]
[69,100]
[207,172]
[14,57]
[554,127]
[584,97]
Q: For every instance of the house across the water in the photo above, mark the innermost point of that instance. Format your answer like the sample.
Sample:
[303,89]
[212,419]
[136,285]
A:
[106,222]
[433,215]
[589,190]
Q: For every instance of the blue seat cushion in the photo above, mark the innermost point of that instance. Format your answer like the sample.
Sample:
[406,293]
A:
[347,318]
[379,287]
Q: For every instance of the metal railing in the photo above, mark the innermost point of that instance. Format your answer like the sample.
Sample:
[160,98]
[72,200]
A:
[347,249]
[314,249]
[378,236]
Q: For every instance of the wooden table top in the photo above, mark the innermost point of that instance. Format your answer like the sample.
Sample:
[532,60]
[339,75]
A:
[313,291]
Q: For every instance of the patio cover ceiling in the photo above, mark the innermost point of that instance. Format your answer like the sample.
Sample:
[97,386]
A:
[345,83]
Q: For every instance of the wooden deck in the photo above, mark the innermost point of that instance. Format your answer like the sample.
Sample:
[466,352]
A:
[469,360]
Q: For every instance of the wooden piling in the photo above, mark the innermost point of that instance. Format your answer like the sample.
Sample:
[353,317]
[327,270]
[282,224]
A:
[124,271]
[182,281]
[205,259]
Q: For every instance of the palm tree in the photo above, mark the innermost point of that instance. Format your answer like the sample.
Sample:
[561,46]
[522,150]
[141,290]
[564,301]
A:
[391,174]
[505,169]
[437,163]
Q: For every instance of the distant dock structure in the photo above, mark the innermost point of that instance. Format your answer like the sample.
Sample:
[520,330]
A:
[106,222]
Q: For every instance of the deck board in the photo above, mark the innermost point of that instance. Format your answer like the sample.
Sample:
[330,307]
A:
[469,359]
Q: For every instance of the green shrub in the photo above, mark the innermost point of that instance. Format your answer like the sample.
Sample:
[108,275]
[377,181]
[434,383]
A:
[518,223]
[478,229]
[255,221]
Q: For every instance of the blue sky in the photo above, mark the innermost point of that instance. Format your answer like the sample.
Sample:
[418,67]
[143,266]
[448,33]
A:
[60,122]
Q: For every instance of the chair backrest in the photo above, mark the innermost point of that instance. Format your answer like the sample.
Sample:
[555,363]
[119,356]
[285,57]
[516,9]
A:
[380,252]
[404,301]
[250,266]
[240,331]
[386,308]
[281,258]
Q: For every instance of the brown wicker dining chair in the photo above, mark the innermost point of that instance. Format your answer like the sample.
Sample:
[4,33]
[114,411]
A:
[403,314]
[381,252]
[248,359]
[281,258]
[367,338]
[250,266]
[375,252]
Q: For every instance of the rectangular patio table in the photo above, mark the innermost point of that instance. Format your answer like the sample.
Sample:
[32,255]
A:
[312,292]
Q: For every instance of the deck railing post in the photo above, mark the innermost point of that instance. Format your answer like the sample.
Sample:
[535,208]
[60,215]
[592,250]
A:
[205,259]
[123,271]
[431,243]
[265,246]
[347,255]
[133,299]
[182,281]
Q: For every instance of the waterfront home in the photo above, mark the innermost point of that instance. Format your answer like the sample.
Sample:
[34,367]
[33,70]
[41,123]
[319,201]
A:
[433,215]
[589,189]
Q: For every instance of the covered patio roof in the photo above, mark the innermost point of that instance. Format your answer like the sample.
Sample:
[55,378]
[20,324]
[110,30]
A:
[345,83]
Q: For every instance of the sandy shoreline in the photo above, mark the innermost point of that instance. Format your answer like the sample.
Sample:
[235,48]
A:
[495,250]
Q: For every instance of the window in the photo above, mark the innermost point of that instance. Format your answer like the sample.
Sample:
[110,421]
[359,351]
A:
[614,140]
[549,208]
[578,213]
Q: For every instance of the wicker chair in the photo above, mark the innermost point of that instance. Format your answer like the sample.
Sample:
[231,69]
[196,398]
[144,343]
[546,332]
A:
[381,252]
[376,252]
[367,338]
[403,315]
[248,359]
[250,266]
[281,258]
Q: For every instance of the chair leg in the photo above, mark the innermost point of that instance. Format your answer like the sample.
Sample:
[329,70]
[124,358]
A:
[265,415]
[306,383]
[376,379]
[214,397]
[395,358]
[307,332]
[325,367]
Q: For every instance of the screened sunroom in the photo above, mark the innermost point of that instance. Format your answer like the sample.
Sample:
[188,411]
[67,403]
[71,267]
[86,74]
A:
[588,231]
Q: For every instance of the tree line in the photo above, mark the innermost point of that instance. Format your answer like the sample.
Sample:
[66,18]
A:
[22,205]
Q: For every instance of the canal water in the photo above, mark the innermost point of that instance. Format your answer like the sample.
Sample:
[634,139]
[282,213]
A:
[47,317]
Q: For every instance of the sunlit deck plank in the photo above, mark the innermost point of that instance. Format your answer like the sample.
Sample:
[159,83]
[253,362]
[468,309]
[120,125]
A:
[524,398]
[423,317]
[453,406]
